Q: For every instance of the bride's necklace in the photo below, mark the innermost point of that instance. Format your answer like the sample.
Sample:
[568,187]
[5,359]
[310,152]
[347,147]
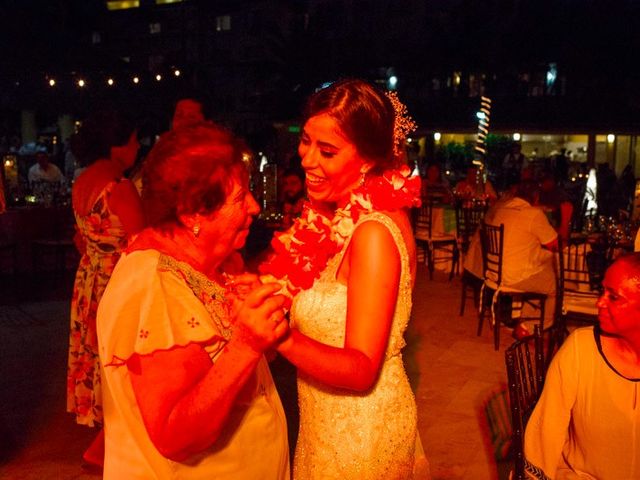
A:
[302,252]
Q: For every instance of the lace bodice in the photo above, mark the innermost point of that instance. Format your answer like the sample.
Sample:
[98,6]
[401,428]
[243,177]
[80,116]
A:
[320,312]
[350,435]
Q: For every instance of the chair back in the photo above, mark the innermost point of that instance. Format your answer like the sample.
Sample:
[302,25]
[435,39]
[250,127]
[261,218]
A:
[423,221]
[468,219]
[580,272]
[526,369]
[492,244]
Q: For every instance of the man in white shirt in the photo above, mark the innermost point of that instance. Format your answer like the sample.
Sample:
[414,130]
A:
[529,240]
[44,170]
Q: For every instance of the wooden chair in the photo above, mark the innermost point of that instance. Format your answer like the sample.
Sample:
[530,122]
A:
[494,292]
[580,273]
[468,219]
[526,370]
[430,242]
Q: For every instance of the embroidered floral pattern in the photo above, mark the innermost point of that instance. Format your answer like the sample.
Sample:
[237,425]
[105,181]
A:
[302,252]
[212,295]
[105,238]
[193,323]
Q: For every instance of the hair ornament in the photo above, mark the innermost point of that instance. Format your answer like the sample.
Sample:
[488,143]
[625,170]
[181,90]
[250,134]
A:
[403,124]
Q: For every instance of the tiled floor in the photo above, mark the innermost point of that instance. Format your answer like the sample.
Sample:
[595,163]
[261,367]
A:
[454,373]
[458,372]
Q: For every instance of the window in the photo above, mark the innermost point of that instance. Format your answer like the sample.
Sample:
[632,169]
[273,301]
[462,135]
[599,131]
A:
[164,2]
[122,5]
[155,27]
[223,23]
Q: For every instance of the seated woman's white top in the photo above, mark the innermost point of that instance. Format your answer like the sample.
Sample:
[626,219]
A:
[586,424]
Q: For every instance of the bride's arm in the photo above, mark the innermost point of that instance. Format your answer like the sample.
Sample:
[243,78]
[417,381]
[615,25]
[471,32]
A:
[372,290]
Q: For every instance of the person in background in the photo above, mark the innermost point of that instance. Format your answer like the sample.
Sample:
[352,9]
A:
[512,165]
[557,203]
[607,192]
[70,160]
[472,187]
[188,393]
[188,112]
[586,423]
[293,195]
[434,186]
[627,189]
[44,170]
[108,211]
[529,240]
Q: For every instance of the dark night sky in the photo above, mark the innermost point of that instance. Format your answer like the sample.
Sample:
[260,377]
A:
[495,34]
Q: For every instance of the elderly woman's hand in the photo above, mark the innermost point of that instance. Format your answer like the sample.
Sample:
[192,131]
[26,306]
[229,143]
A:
[260,319]
[242,284]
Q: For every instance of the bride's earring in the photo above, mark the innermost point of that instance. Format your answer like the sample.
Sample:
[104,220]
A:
[363,176]
[196,230]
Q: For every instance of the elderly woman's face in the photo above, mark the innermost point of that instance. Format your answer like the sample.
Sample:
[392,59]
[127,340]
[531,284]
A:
[330,160]
[227,228]
[619,304]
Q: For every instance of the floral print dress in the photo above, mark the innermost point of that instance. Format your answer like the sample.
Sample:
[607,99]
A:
[105,238]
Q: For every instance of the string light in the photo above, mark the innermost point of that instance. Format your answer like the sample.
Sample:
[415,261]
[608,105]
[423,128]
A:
[110,82]
[483,125]
[176,72]
[81,83]
[158,77]
[52,82]
[136,80]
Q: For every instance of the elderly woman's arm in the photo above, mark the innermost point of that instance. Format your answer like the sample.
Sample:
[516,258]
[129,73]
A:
[184,398]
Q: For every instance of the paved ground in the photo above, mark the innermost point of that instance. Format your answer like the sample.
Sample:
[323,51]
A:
[453,371]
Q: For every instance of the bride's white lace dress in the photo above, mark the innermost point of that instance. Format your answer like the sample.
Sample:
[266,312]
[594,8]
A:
[349,435]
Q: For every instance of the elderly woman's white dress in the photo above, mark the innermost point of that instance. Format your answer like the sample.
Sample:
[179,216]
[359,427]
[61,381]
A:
[153,302]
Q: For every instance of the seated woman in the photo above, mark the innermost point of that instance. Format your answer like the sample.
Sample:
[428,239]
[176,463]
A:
[473,187]
[434,186]
[188,393]
[587,421]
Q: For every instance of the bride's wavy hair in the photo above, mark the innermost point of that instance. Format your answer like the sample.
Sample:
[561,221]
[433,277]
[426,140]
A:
[364,114]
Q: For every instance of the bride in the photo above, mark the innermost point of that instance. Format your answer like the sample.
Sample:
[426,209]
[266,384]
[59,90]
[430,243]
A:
[350,263]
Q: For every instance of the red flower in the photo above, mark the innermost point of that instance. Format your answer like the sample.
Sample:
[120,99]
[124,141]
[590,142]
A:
[83,405]
[302,252]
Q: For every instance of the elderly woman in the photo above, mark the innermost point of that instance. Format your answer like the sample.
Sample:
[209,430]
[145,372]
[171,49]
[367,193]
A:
[188,393]
[587,421]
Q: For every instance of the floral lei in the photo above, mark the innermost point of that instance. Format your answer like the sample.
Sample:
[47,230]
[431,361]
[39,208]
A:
[302,252]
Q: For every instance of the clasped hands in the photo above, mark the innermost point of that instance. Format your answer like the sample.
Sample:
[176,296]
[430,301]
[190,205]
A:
[258,312]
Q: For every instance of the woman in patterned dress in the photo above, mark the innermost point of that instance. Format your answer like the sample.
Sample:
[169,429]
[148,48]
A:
[108,211]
